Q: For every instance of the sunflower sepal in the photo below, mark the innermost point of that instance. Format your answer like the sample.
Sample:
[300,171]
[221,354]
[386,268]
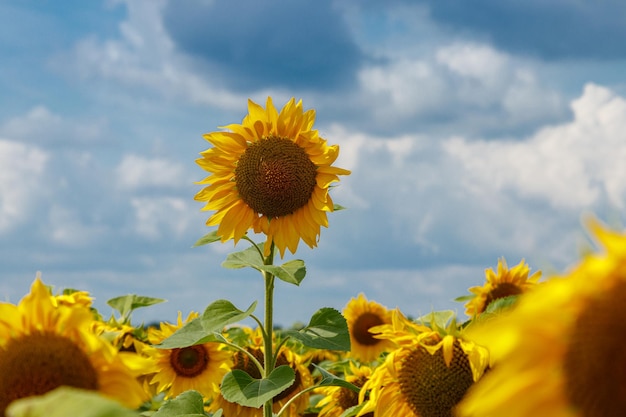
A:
[208,238]
[206,328]
[327,329]
[187,404]
[292,272]
[443,322]
[241,388]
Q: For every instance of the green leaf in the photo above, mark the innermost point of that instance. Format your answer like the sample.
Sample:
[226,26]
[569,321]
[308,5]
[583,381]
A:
[241,388]
[329,379]
[221,313]
[192,333]
[337,207]
[292,271]
[66,401]
[501,305]
[326,330]
[125,304]
[207,328]
[464,298]
[188,403]
[352,411]
[247,257]
[208,238]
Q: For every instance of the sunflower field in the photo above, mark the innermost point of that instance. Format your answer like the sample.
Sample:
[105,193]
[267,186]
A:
[527,346]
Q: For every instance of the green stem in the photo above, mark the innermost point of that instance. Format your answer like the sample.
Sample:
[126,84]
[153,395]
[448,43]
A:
[269,326]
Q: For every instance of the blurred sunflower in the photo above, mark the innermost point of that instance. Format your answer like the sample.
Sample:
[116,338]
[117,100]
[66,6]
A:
[362,315]
[426,376]
[561,348]
[45,344]
[285,357]
[272,174]
[337,400]
[504,283]
[199,367]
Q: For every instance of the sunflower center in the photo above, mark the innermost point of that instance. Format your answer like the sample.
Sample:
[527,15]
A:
[595,362]
[38,363]
[431,388]
[189,361]
[504,289]
[361,326]
[275,176]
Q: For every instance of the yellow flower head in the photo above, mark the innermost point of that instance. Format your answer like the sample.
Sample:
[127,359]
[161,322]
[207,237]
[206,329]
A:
[272,174]
[362,315]
[426,376]
[45,344]
[199,367]
[504,283]
[560,352]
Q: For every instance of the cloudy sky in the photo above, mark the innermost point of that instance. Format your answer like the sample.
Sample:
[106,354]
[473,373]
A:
[474,131]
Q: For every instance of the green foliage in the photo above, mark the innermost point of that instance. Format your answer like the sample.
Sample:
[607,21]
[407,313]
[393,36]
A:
[208,327]
[437,319]
[464,298]
[65,401]
[352,411]
[239,387]
[501,304]
[292,271]
[187,404]
[329,379]
[208,238]
[327,329]
[125,304]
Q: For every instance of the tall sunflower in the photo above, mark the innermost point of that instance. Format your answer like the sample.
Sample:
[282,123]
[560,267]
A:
[504,283]
[560,353]
[426,375]
[45,344]
[199,367]
[272,174]
[361,316]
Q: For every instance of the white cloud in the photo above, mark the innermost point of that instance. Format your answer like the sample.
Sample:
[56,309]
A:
[144,55]
[136,172]
[573,165]
[42,126]
[21,181]
[475,84]
[65,227]
[156,216]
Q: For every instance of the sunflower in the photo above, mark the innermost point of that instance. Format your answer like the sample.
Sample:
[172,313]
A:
[426,375]
[45,344]
[285,356]
[272,174]
[361,315]
[506,282]
[560,352]
[199,367]
[337,400]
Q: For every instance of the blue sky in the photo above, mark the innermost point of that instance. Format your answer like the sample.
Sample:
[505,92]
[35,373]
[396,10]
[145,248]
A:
[473,132]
